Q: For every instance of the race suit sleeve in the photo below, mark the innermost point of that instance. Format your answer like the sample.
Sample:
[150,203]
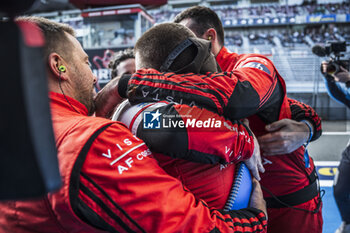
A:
[195,134]
[117,186]
[235,95]
[301,111]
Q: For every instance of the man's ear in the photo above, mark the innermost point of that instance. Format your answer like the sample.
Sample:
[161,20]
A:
[210,34]
[57,66]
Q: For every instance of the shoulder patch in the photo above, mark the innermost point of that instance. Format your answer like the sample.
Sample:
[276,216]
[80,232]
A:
[258,66]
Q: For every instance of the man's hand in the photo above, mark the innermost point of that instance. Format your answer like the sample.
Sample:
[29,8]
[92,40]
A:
[285,136]
[107,99]
[254,163]
[256,199]
[343,75]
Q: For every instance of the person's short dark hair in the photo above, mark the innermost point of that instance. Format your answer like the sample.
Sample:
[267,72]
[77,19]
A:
[118,58]
[154,46]
[203,18]
[55,38]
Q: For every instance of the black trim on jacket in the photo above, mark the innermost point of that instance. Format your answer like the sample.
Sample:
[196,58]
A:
[81,209]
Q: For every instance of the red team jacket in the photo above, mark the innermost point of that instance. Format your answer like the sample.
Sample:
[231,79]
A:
[286,175]
[291,167]
[111,183]
[181,148]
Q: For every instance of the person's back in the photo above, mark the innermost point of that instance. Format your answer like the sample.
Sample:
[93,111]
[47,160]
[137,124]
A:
[210,182]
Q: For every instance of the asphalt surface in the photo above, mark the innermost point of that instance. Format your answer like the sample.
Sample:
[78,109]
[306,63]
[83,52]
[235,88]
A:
[326,152]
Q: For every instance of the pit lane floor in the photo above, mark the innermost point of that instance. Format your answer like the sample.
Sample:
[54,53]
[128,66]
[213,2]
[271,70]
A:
[326,152]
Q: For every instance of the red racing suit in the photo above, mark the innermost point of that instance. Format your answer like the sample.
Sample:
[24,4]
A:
[111,183]
[250,87]
[285,174]
[182,143]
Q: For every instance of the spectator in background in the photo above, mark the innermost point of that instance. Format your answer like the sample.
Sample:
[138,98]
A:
[338,87]
[122,62]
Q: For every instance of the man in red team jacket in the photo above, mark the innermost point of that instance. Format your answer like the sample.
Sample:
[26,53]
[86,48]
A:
[111,183]
[289,175]
[250,87]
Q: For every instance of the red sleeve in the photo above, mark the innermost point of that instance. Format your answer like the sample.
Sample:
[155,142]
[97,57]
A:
[122,189]
[235,95]
[198,135]
[301,111]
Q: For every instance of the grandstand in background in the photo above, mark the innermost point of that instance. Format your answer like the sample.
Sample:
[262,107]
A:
[105,30]
[283,30]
